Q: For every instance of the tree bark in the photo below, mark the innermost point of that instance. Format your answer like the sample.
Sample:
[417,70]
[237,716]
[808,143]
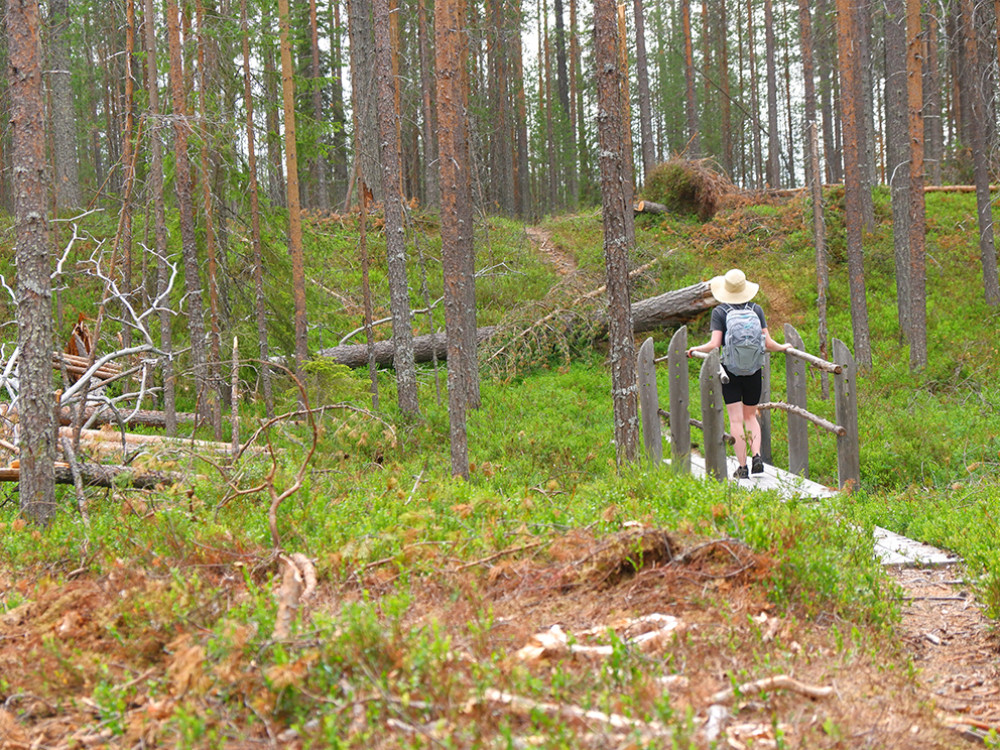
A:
[65,171]
[388,122]
[258,255]
[850,100]
[917,318]
[321,196]
[456,216]
[773,143]
[933,120]
[31,254]
[275,169]
[645,105]
[616,212]
[987,247]
[292,190]
[189,245]
[758,157]
[428,123]
[898,148]
[691,96]
[726,123]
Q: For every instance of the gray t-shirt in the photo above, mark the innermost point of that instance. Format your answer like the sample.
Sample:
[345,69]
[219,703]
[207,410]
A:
[719,316]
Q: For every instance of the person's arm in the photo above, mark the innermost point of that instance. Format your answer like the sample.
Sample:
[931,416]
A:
[713,343]
[773,346]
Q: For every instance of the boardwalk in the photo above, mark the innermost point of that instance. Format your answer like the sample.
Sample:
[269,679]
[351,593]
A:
[892,549]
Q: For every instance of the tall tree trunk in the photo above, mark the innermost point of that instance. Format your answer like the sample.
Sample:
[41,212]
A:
[388,124]
[933,121]
[917,318]
[826,62]
[773,143]
[31,254]
[814,175]
[727,122]
[562,79]
[850,100]
[428,123]
[322,197]
[363,94]
[340,156]
[523,178]
[645,107]
[275,168]
[987,247]
[691,95]
[456,215]
[866,111]
[123,240]
[501,140]
[292,190]
[258,255]
[189,245]
[159,220]
[898,150]
[581,164]
[758,152]
[65,171]
[212,267]
[616,195]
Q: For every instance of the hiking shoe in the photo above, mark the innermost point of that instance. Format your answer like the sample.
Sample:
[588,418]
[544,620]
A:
[741,473]
[758,465]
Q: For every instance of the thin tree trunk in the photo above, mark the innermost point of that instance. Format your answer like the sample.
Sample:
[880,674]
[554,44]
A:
[65,173]
[987,247]
[691,96]
[123,239]
[292,191]
[189,246]
[275,169]
[616,193]
[933,122]
[917,318]
[850,100]
[322,198]
[340,156]
[428,123]
[456,214]
[727,124]
[31,253]
[898,151]
[645,107]
[758,152]
[159,221]
[523,179]
[773,143]
[826,62]
[214,336]
[258,255]
[562,80]
[388,123]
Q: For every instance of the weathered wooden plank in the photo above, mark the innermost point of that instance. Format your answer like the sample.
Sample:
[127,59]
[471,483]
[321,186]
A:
[649,404]
[711,417]
[846,397]
[680,429]
[795,390]
[764,417]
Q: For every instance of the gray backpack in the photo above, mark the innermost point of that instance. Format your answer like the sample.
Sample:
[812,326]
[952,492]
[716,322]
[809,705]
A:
[743,351]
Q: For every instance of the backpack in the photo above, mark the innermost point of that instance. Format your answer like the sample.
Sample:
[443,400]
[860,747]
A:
[743,352]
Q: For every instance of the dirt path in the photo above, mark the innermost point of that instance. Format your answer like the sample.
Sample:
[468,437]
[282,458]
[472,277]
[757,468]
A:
[955,647]
[564,262]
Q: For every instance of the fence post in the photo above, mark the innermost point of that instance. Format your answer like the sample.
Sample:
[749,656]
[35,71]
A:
[764,417]
[798,430]
[846,398]
[711,417]
[649,404]
[680,424]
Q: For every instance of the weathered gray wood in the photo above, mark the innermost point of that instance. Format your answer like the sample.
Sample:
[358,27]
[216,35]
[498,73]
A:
[818,362]
[103,475]
[649,404]
[846,398]
[808,416]
[795,389]
[711,417]
[692,422]
[680,429]
[764,417]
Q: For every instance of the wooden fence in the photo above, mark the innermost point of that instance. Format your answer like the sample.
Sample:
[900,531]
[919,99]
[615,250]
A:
[842,368]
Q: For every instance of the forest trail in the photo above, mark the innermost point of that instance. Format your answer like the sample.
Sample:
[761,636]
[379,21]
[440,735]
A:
[564,262]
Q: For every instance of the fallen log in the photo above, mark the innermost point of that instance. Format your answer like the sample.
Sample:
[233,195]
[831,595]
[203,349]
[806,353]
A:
[648,207]
[142,418]
[115,438]
[671,308]
[101,475]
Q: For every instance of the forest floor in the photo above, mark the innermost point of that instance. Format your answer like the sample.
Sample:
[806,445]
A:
[86,669]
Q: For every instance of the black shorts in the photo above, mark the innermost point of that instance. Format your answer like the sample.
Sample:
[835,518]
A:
[745,388]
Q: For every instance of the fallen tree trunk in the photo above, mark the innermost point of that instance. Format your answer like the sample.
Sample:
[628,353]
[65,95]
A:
[142,418]
[671,308]
[648,207]
[100,475]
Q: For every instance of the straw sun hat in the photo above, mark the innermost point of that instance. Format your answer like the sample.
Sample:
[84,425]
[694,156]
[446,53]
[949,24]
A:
[733,288]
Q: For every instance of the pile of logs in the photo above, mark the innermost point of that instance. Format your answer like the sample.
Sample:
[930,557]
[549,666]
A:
[76,366]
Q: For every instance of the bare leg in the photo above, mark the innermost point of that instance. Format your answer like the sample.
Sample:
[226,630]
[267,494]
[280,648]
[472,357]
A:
[738,430]
[752,425]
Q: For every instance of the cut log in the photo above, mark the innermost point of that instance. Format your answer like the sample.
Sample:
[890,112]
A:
[142,418]
[99,475]
[671,308]
[648,207]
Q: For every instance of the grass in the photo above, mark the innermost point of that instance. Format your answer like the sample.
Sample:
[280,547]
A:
[429,584]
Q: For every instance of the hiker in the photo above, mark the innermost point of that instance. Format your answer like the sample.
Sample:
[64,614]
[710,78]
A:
[739,326]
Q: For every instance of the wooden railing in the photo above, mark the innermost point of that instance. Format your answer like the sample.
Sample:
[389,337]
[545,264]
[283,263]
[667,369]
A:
[842,368]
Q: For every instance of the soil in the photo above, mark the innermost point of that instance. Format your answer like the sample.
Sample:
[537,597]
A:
[563,261]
